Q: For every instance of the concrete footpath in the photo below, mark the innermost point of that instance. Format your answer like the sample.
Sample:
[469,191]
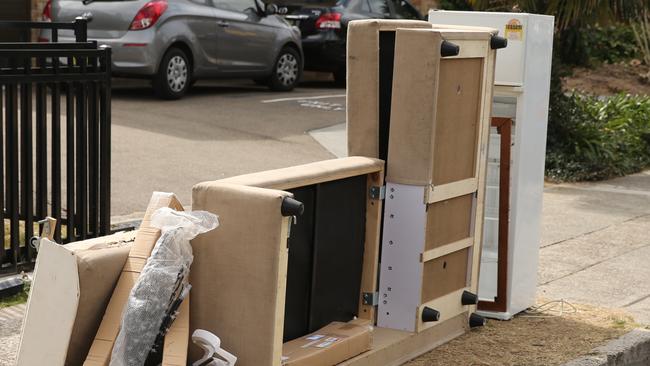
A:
[596,245]
[595,250]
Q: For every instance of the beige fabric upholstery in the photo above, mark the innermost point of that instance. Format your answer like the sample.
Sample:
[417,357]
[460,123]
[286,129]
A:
[308,174]
[239,271]
[363,82]
[413,108]
[100,263]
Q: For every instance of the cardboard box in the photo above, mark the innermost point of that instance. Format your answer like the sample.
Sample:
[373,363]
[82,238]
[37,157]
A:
[329,346]
[71,286]
[100,350]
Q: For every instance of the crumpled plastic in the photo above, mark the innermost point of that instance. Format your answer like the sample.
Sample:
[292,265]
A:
[162,279]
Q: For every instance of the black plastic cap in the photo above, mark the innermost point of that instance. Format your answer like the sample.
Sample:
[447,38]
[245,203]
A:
[291,207]
[430,315]
[497,42]
[449,49]
[468,298]
[476,320]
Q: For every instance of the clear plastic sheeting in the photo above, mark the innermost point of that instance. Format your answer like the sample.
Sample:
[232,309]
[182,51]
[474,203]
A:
[162,282]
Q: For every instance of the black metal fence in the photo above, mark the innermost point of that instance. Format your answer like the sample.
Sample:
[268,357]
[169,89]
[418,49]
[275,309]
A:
[55,149]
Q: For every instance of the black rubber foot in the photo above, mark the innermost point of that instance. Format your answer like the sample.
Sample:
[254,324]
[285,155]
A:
[291,207]
[476,320]
[497,42]
[430,315]
[468,298]
[449,49]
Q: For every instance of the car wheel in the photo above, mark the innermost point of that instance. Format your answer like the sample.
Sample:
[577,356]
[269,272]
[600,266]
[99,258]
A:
[286,71]
[174,75]
[340,76]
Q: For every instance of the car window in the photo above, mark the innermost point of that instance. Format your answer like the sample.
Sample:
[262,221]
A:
[235,5]
[375,6]
[404,10]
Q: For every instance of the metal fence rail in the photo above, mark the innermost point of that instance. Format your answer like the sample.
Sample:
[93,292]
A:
[55,151]
[79,27]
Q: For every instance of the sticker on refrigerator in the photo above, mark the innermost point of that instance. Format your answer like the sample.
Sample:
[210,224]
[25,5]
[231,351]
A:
[514,30]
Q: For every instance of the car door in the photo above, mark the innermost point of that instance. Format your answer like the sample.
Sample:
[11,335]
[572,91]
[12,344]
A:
[402,9]
[244,42]
[201,19]
[375,8]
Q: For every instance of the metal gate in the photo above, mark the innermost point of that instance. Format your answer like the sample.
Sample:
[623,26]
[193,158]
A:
[15,10]
[55,152]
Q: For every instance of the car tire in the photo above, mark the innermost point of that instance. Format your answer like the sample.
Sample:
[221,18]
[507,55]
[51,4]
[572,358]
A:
[174,76]
[340,76]
[286,70]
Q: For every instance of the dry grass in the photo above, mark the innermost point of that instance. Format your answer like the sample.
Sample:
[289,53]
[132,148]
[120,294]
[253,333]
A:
[532,341]
[21,232]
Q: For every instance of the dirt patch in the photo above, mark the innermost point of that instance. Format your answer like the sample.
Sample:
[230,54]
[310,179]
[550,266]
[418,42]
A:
[542,340]
[609,79]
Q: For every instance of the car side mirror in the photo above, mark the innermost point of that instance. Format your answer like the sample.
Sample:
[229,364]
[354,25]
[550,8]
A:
[270,9]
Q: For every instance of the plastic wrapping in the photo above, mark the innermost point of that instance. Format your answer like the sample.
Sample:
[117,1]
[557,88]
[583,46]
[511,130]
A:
[162,281]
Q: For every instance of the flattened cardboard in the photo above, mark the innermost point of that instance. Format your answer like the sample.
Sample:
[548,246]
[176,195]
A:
[86,273]
[177,338]
[330,345]
[100,350]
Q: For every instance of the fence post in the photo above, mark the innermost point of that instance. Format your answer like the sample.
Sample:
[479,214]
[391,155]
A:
[105,144]
[81,29]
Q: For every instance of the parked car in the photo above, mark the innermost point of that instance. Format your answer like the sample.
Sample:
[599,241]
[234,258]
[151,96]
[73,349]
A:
[176,42]
[324,29]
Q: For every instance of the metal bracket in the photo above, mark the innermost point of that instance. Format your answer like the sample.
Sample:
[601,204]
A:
[377,192]
[293,220]
[371,298]
[49,226]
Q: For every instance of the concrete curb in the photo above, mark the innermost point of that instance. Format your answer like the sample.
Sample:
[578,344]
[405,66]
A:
[631,349]
[126,222]
[131,221]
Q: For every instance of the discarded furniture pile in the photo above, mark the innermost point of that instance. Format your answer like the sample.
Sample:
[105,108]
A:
[367,260]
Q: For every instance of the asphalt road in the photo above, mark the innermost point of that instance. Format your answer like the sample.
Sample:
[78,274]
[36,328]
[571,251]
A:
[220,129]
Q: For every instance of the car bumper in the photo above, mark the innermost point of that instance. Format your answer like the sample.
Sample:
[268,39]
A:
[136,53]
[324,51]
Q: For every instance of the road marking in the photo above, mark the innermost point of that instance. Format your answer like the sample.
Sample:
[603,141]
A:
[303,98]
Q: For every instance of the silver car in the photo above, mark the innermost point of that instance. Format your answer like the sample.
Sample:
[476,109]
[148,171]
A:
[176,42]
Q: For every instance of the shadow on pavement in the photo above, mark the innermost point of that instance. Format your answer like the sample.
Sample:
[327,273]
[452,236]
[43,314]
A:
[140,89]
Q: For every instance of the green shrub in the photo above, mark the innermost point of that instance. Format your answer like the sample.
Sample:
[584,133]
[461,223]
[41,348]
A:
[596,44]
[593,138]
[455,5]
[18,298]
[610,44]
